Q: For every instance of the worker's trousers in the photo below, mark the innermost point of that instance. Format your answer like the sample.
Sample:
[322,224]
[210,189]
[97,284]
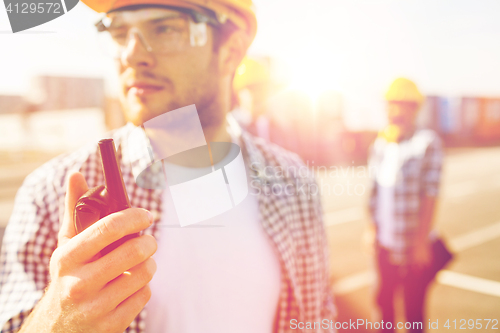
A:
[391,276]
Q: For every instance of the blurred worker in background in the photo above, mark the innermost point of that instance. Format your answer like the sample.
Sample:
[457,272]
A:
[407,163]
[265,268]
[252,83]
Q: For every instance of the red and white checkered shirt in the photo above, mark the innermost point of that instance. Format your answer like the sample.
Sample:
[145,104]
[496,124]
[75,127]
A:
[293,222]
[418,174]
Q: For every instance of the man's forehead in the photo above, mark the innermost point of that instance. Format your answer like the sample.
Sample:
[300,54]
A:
[139,15]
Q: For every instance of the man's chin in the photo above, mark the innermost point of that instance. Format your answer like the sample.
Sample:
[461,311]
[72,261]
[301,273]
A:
[141,109]
[139,113]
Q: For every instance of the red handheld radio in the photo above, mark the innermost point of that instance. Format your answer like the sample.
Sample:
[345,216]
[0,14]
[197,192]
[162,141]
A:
[103,200]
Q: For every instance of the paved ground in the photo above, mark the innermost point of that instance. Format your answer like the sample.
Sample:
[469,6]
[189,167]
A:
[468,216]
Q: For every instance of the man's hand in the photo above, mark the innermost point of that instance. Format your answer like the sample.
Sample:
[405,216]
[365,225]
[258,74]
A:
[89,293]
[422,255]
[422,252]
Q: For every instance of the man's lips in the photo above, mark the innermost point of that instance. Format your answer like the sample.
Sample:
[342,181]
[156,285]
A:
[141,89]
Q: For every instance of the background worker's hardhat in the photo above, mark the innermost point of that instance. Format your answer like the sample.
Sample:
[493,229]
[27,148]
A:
[239,12]
[404,90]
[249,73]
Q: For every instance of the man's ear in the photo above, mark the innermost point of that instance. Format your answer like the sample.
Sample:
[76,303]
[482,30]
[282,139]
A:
[232,51]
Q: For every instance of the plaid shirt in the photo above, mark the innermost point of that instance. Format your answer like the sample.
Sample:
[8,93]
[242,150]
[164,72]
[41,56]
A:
[292,222]
[418,174]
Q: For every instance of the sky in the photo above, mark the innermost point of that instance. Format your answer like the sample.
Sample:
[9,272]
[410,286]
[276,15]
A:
[448,47]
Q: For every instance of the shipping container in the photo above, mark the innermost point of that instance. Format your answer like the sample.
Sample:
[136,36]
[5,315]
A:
[470,109]
[487,129]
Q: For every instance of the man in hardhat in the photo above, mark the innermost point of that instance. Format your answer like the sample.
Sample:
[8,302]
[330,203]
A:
[266,270]
[407,163]
[252,83]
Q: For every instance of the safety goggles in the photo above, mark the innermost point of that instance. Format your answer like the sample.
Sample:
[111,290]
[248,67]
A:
[159,30]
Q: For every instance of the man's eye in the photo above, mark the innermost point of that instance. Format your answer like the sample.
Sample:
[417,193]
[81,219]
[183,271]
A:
[118,36]
[165,29]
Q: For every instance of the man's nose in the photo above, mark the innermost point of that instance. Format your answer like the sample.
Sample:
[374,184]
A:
[137,53]
[395,111]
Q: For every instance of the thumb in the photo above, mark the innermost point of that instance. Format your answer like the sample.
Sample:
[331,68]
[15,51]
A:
[77,186]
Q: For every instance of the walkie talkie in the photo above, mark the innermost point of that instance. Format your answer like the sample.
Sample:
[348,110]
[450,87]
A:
[103,200]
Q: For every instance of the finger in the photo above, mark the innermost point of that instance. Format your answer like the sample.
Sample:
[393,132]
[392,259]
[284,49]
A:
[107,230]
[126,312]
[123,258]
[128,283]
[77,186]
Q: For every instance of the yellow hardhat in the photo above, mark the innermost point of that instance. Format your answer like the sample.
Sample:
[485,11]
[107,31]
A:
[240,12]
[404,90]
[250,72]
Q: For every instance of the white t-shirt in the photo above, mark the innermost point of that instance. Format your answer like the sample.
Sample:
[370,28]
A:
[386,182]
[221,275]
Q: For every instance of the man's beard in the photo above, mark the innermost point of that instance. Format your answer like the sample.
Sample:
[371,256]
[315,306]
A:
[204,95]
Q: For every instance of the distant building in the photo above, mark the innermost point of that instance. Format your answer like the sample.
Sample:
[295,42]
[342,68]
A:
[64,93]
[12,104]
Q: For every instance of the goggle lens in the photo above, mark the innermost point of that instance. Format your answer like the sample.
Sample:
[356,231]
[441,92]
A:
[159,30]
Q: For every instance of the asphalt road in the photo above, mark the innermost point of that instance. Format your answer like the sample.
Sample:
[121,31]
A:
[468,217]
